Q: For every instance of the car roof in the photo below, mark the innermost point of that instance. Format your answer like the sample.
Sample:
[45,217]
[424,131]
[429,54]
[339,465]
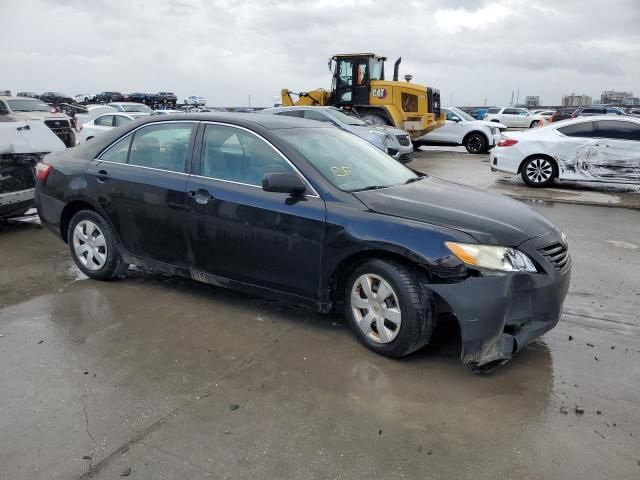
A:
[13,97]
[249,120]
[125,103]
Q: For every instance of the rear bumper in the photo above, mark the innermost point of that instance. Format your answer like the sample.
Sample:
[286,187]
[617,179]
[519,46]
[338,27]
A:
[500,315]
[50,212]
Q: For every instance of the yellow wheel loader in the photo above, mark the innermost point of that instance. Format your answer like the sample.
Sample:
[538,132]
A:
[359,85]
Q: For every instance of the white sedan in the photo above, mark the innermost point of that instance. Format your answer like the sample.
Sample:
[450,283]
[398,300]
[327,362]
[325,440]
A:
[194,100]
[477,136]
[131,107]
[599,148]
[104,123]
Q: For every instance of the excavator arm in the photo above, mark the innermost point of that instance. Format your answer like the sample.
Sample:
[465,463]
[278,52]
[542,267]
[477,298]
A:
[313,98]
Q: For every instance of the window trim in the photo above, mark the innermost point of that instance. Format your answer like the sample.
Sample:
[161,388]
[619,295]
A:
[190,147]
[313,193]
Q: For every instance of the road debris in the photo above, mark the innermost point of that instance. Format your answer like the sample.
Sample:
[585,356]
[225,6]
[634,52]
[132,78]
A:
[600,434]
[126,472]
[87,457]
[590,345]
[41,341]
[578,410]
[564,410]
[233,406]
[570,337]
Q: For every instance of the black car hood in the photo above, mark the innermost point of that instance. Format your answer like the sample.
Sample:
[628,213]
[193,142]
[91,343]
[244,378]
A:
[489,218]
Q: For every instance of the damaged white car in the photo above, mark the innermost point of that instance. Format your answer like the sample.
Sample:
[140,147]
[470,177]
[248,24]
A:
[598,149]
[22,145]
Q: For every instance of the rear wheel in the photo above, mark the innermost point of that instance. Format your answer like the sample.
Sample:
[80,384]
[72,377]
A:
[388,309]
[538,172]
[475,143]
[534,124]
[93,247]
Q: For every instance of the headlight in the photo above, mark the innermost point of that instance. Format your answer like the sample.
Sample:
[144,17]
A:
[387,138]
[492,258]
[495,130]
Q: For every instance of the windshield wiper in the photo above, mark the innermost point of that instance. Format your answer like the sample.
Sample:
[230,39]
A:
[370,187]
[414,179]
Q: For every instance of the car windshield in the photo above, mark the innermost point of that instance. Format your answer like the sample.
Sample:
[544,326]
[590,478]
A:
[344,117]
[136,108]
[347,161]
[28,106]
[463,115]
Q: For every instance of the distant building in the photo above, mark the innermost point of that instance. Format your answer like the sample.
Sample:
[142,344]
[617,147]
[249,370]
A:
[574,100]
[618,98]
[532,101]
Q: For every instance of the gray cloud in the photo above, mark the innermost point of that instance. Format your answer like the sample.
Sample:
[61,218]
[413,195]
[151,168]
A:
[227,50]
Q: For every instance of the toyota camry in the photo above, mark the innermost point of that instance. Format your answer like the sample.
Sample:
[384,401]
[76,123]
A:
[298,210]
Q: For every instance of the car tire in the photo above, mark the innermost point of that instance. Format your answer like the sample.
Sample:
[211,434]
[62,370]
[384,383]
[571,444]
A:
[407,311]
[475,143]
[373,119]
[538,172]
[534,124]
[94,248]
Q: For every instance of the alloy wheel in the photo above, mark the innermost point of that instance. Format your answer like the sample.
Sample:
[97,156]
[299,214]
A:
[539,170]
[474,144]
[376,308]
[89,245]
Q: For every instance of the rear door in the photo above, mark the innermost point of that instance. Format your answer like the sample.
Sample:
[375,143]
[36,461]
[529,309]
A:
[510,117]
[450,132]
[617,151]
[240,232]
[140,182]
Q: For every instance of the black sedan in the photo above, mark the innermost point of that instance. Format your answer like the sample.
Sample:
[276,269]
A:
[56,98]
[108,97]
[299,210]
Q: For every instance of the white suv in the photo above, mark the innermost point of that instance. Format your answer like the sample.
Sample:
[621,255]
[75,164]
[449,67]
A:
[514,117]
[460,128]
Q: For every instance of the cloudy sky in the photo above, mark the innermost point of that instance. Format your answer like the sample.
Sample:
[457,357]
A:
[226,50]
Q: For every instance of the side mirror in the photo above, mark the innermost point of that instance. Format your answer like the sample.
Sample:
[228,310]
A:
[456,119]
[283,183]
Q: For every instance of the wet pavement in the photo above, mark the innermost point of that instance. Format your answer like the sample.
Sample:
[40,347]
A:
[174,379]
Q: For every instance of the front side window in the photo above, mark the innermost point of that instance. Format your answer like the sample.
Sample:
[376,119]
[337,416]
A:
[162,146]
[494,110]
[104,121]
[618,130]
[584,129]
[235,155]
[347,161]
[450,115]
[292,113]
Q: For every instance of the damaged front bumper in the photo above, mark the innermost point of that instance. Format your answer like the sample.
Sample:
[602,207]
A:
[499,315]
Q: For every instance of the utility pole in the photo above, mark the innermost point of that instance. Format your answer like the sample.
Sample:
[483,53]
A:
[451,99]
[511,103]
[249,101]
[518,97]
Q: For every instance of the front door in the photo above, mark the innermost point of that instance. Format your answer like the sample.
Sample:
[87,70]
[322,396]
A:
[141,182]
[617,150]
[240,232]
[344,95]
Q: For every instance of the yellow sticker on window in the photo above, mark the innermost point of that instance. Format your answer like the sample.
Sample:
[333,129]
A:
[341,171]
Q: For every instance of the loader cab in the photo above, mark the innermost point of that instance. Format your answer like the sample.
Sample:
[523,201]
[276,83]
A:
[352,76]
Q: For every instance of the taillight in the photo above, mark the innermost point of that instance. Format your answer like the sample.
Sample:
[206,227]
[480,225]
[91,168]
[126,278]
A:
[507,142]
[574,115]
[43,170]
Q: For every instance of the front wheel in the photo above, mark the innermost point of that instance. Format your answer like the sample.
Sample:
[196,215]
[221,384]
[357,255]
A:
[388,308]
[534,124]
[475,143]
[538,172]
[93,247]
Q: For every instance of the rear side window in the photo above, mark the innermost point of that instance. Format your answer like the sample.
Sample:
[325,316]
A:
[618,130]
[584,129]
[510,111]
[594,110]
[162,146]
[105,121]
[120,120]
[119,151]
